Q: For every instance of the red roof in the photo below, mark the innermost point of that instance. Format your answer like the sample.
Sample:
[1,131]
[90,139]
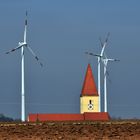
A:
[89,86]
[96,116]
[92,116]
[55,117]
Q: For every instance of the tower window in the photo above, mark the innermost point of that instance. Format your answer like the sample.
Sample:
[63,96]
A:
[90,101]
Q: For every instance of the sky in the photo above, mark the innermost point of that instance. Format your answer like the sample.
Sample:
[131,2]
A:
[60,32]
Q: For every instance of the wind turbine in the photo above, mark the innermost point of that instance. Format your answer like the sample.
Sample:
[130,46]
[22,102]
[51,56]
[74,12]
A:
[105,62]
[23,45]
[99,56]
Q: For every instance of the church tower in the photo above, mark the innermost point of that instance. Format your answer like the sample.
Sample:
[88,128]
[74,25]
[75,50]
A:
[89,99]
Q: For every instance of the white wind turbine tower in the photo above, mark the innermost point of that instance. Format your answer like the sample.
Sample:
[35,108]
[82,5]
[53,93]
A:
[99,56]
[23,45]
[105,62]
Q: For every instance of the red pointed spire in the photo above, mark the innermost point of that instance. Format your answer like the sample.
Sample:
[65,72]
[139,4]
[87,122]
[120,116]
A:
[89,86]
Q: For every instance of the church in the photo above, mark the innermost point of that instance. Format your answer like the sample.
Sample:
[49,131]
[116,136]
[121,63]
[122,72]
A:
[89,105]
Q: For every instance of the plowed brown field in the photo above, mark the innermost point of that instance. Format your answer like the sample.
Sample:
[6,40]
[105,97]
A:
[112,130]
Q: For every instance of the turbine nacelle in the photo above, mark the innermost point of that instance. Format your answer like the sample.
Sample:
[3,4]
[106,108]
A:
[21,44]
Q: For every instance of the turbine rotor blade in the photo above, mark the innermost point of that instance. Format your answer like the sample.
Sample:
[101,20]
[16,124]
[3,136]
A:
[26,18]
[107,37]
[108,76]
[89,53]
[101,42]
[14,49]
[35,56]
[107,73]
[116,60]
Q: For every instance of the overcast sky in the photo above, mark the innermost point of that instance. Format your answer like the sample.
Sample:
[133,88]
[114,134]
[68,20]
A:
[60,31]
